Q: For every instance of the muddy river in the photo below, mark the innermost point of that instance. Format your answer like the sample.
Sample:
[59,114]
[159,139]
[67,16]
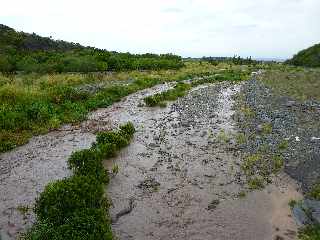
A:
[180,177]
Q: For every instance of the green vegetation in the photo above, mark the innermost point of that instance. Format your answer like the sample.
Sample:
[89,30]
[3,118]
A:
[181,89]
[32,104]
[21,51]
[300,84]
[309,57]
[315,192]
[158,99]
[292,203]
[311,232]
[76,208]
[266,128]
[277,163]
[241,138]
[283,145]
[237,60]
[242,194]
[256,183]
[249,163]
[115,169]
[223,137]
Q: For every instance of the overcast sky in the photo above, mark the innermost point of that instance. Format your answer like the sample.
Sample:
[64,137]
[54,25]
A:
[260,28]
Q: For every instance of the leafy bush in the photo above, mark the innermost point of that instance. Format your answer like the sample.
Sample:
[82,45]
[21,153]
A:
[75,208]
[315,192]
[88,162]
[178,91]
[310,232]
[309,57]
[112,138]
[127,129]
[89,224]
[58,202]
[106,150]
[32,53]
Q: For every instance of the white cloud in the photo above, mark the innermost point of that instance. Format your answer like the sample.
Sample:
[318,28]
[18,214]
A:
[265,28]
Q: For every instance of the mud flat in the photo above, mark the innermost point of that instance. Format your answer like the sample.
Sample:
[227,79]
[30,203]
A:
[181,177]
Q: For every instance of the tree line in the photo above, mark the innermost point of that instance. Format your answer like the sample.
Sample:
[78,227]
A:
[25,52]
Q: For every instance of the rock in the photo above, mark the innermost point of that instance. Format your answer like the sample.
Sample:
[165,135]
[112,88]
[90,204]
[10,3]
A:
[213,205]
[204,133]
[300,216]
[259,128]
[314,207]
[290,103]
[278,238]
[153,145]
[185,124]
[149,183]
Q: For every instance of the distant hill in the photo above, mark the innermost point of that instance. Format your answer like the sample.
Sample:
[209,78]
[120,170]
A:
[309,57]
[9,38]
[20,51]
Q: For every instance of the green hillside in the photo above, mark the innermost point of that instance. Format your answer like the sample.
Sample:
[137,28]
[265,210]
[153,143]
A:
[26,52]
[309,57]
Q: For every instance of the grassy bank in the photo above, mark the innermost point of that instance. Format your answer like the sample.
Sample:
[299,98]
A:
[299,83]
[33,104]
[76,207]
[181,89]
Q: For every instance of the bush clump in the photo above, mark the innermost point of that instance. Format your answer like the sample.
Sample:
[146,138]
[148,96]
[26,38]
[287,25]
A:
[61,199]
[75,208]
[89,224]
[171,95]
[88,162]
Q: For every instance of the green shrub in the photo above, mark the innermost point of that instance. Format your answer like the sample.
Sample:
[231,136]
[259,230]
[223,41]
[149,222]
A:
[106,150]
[127,129]
[112,138]
[310,232]
[58,202]
[62,93]
[88,162]
[88,224]
[256,183]
[315,192]
[171,95]
[76,208]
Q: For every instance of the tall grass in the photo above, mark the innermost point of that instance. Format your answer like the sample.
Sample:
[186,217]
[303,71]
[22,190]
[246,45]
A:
[32,104]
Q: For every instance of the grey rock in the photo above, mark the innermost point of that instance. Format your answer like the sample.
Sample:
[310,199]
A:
[213,205]
[153,145]
[204,133]
[314,207]
[300,216]
[290,103]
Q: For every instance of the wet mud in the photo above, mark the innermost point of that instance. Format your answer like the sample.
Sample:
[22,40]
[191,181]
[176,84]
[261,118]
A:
[180,178]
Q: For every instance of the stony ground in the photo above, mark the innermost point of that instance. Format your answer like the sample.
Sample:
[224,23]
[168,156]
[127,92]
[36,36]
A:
[180,178]
[293,135]
[293,123]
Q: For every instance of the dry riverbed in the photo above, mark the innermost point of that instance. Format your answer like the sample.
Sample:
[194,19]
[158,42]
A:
[179,179]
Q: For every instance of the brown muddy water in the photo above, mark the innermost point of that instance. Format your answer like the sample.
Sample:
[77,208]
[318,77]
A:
[180,177]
